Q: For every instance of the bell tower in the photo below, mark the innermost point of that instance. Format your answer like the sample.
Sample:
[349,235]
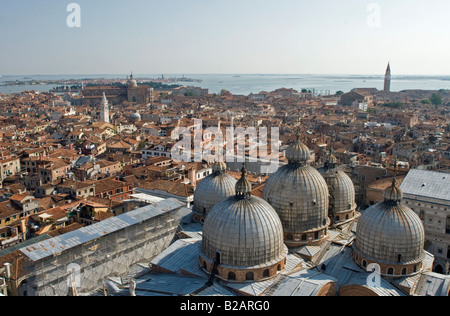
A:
[104,110]
[387,79]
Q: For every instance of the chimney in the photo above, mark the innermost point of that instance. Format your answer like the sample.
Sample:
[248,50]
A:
[193,177]
[7,270]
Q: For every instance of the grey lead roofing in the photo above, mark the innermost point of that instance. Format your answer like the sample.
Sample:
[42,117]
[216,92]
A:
[429,184]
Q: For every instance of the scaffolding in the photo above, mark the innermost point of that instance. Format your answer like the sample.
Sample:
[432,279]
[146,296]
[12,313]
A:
[77,263]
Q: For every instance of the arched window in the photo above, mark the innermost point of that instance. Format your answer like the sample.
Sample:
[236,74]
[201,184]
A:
[364,263]
[218,257]
[279,267]
[232,276]
[304,237]
[316,235]
[266,273]
[390,271]
[249,276]
[290,237]
[404,271]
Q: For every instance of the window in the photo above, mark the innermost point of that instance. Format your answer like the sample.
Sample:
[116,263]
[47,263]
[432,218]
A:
[266,274]
[249,276]
[231,276]
[404,271]
[422,215]
[390,271]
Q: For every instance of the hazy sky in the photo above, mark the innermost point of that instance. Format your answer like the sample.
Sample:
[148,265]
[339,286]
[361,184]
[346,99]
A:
[226,36]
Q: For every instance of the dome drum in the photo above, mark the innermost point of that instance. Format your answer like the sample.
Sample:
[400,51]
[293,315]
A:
[341,218]
[244,274]
[313,237]
[393,270]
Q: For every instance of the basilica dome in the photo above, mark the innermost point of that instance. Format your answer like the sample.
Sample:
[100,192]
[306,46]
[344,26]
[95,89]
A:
[391,235]
[132,83]
[211,190]
[299,194]
[243,238]
[135,117]
[342,207]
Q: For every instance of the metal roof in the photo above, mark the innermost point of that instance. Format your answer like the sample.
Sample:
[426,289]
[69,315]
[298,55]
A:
[170,284]
[86,234]
[182,255]
[304,283]
[433,284]
[430,184]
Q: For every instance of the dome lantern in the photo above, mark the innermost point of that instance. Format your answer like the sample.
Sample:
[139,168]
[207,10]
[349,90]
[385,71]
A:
[243,186]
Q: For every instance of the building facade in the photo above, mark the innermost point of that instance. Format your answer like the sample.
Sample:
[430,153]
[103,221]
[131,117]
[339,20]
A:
[428,194]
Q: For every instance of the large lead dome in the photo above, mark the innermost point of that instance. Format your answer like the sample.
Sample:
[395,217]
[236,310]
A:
[243,238]
[211,190]
[299,194]
[392,235]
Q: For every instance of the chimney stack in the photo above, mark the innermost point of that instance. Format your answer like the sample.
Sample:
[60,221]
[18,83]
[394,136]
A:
[7,270]
[193,177]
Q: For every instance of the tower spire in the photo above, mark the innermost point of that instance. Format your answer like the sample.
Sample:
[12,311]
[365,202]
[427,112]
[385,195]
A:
[387,78]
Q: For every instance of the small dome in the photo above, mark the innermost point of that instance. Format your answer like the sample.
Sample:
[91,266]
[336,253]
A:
[342,207]
[219,167]
[213,189]
[393,193]
[332,160]
[243,186]
[135,117]
[132,83]
[298,152]
[342,191]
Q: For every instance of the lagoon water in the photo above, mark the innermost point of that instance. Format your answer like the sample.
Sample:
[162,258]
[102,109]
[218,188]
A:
[245,84]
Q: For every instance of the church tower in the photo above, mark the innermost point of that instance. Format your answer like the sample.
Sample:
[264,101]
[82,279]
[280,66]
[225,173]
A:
[104,110]
[387,79]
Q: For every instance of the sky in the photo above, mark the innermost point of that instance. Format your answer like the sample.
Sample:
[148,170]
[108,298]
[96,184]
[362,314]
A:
[226,37]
